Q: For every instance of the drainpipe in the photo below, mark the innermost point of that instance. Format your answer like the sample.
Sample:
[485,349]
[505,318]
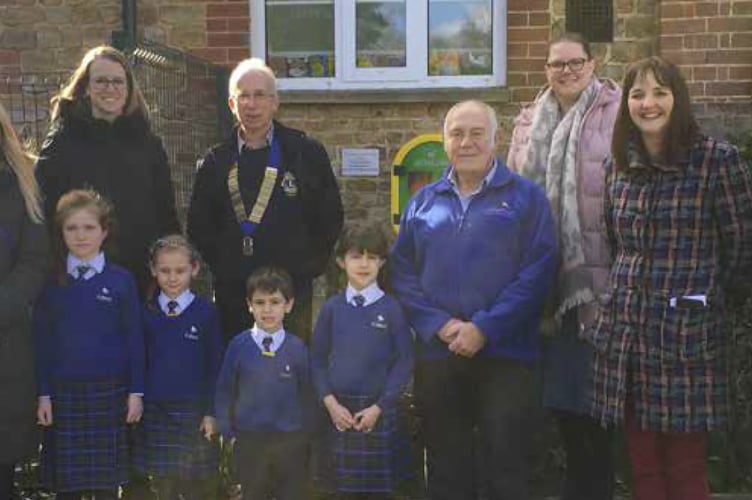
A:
[125,39]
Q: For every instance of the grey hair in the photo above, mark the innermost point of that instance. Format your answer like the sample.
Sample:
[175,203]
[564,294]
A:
[253,64]
[493,122]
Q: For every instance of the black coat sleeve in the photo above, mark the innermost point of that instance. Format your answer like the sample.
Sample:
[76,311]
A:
[52,172]
[205,210]
[19,288]
[164,192]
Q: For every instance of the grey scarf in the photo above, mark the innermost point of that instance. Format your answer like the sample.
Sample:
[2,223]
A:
[552,164]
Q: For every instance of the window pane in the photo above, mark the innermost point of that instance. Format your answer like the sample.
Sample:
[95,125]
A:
[381,34]
[460,37]
[300,38]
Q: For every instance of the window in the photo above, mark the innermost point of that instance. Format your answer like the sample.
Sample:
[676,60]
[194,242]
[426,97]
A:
[592,18]
[357,44]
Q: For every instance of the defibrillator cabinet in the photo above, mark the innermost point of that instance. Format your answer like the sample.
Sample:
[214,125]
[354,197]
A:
[417,163]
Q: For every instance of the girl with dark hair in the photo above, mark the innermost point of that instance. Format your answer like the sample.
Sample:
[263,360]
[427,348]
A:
[100,138]
[561,142]
[678,208]
[23,264]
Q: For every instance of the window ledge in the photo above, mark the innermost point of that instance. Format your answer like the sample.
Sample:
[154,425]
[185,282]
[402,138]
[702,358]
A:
[498,94]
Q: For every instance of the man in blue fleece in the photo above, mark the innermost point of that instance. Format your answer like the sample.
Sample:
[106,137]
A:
[472,265]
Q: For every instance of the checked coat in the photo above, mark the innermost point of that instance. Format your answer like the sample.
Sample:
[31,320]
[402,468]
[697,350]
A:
[674,232]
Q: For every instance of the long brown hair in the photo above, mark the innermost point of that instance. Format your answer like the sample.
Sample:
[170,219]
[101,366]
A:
[21,164]
[74,91]
[682,129]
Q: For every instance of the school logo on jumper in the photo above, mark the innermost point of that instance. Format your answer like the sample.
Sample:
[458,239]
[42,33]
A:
[104,295]
[380,322]
[191,334]
[290,185]
[286,373]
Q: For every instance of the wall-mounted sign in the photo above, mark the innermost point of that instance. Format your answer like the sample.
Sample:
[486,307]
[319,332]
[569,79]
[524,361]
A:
[360,162]
[418,162]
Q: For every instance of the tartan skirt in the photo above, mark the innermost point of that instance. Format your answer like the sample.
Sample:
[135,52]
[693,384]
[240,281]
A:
[169,442]
[368,462]
[86,448]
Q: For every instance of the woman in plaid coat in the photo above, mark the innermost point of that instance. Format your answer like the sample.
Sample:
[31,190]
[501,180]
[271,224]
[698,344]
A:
[678,210]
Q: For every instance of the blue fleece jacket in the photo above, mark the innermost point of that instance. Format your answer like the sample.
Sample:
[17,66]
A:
[492,264]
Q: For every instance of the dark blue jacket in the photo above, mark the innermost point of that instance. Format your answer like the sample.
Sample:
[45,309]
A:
[492,265]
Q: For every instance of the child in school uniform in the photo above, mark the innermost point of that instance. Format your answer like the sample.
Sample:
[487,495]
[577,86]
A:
[183,353]
[362,359]
[261,396]
[90,356]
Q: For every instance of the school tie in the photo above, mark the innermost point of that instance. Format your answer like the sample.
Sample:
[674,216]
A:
[82,269]
[172,308]
[266,343]
[359,300]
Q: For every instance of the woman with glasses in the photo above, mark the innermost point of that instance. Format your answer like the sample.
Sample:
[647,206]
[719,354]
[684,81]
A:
[23,264]
[678,208]
[100,138]
[561,142]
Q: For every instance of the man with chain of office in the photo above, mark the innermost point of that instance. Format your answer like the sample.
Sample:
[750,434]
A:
[265,196]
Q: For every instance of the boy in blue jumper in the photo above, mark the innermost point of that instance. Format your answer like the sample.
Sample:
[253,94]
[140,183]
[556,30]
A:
[90,356]
[183,353]
[261,394]
[362,359]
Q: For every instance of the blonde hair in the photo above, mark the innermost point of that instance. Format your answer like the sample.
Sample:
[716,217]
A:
[74,91]
[22,165]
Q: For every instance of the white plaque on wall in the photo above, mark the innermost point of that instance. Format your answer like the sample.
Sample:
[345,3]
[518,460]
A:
[360,162]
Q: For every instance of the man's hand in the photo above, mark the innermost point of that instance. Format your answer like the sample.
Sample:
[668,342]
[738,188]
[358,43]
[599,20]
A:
[449,331]
[468,341]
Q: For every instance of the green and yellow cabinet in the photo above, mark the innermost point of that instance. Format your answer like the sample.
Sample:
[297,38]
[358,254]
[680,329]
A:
[418,162]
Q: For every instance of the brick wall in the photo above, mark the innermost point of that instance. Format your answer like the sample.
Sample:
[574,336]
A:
[712,42]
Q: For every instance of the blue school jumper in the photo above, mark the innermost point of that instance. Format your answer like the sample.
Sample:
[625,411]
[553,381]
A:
[262,400]
[363,355]
[90,356]
[183,353]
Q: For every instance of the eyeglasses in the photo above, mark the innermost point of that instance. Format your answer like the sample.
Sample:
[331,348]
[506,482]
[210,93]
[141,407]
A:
[101,83]
[258,95]
[574,65]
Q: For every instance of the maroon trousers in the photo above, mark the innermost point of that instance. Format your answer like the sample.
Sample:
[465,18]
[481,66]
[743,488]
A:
[666,466]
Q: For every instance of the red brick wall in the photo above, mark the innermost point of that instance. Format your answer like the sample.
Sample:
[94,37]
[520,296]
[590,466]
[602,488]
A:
[712,43]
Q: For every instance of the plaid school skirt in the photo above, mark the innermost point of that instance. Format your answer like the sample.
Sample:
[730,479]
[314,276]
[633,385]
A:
[86,448]
[368,462]
[169,442]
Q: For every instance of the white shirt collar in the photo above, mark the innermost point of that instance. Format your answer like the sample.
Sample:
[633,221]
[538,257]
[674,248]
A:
[96,265]
[183,300]
[277,337]
[486,180]
[242,143]
[371,293]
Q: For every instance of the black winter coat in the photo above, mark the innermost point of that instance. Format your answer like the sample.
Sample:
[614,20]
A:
[24,259]
[298,232]
[125,162]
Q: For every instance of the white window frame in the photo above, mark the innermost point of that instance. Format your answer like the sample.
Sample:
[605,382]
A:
[414,76]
